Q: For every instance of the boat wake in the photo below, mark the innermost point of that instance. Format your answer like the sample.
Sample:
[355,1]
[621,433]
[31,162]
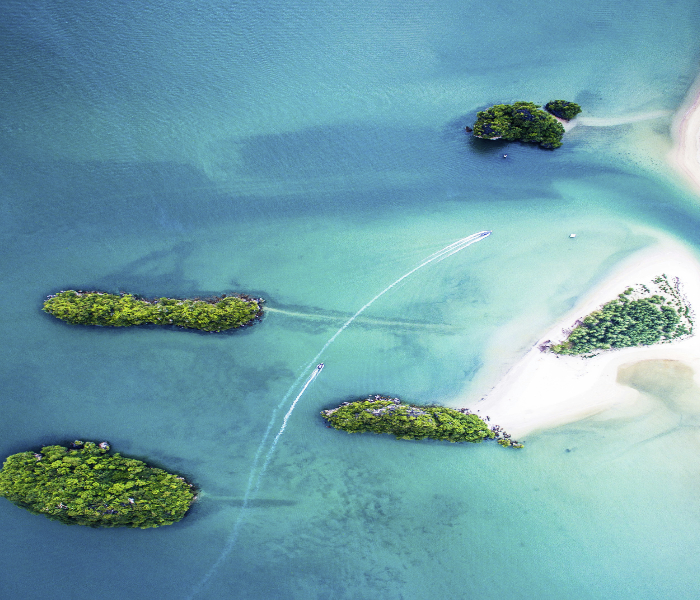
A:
[256,476]
[334,318]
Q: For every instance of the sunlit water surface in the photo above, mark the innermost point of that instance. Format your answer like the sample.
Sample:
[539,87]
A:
[313,153]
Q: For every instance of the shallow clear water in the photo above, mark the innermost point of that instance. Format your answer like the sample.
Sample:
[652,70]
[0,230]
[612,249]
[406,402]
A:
[313,153]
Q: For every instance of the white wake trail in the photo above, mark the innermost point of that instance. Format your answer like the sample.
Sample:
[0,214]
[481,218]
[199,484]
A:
[271,451]
[253,481]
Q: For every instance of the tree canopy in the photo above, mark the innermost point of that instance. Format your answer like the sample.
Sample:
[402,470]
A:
[563,109]
[125,310]
[379,414]
[85,485]
[521,121]
[627,321]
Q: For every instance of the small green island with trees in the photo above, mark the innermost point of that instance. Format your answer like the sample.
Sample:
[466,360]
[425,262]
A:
[525,122]
[562,109]
[84,484]
[639,316]
[381,414]
[125,310]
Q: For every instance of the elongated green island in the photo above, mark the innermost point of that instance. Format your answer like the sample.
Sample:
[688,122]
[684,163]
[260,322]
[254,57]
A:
[525,122]
[380,414]
[125,310]
[85,485]
[640,316]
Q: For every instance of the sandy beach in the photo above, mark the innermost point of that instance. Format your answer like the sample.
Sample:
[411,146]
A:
[544,390]
[685,156]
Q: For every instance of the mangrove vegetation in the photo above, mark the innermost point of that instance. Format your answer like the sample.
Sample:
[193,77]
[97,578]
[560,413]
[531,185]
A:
[380,414]
[126,310]
[84,484]
[524,122]
[637,317]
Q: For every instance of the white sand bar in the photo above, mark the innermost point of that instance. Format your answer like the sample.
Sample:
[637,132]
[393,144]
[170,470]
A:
[685,156]
[545,390]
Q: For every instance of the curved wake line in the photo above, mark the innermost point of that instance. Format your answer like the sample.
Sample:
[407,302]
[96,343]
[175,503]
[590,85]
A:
[284,426]
[253,481]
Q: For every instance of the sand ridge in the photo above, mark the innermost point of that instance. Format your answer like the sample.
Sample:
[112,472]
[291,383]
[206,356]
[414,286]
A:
[685,156]
[544,390]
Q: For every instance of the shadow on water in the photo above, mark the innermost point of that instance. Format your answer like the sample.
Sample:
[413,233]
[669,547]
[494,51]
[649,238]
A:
[156,274]
[487,147]
[335,150]
[178,199]
[128,197]
[526,174]
[459,159]
[248,329]
[591,99]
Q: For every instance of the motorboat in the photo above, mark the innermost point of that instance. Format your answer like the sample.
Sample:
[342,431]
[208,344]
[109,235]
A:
[319,366]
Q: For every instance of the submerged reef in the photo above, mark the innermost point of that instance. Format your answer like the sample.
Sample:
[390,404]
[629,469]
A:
[523,122]
[125,310]
[639,316]
[85,485]
[381,414]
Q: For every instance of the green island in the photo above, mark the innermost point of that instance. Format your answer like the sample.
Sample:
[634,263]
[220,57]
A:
[639,316]
[562,109]
[85,485]
[380,414]
[126,310]
[523,122]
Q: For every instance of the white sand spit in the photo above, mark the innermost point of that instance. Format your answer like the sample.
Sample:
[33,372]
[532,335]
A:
[545,390]
[685,156]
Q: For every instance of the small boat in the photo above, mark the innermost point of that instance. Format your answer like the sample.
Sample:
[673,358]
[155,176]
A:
[319,366]
[573,235]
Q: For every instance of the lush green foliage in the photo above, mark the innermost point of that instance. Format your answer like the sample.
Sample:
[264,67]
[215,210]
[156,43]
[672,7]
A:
[521,121]
[96,308]
[563,109]
[624,322]
[84,485]
[389,415]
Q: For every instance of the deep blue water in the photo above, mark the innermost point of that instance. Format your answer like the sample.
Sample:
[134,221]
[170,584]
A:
[313,153]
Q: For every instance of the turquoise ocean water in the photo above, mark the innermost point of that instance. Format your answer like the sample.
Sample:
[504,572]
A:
[313,153]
